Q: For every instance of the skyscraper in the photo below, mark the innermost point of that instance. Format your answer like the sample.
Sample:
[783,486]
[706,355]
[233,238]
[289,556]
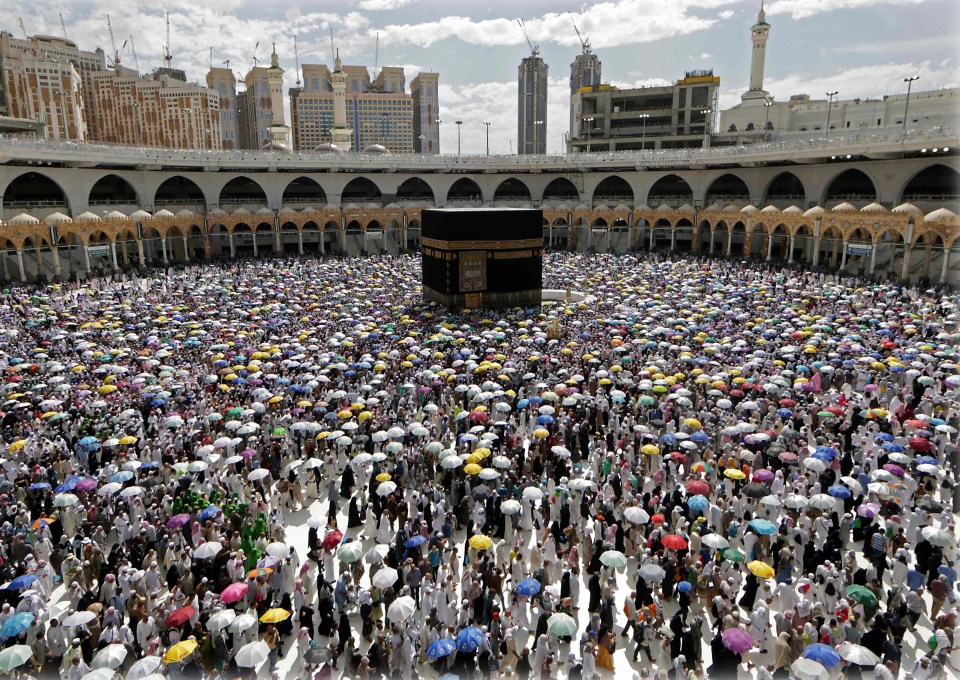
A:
[426,111]
[532,105]
[223,82]
[260,107]
[584,72]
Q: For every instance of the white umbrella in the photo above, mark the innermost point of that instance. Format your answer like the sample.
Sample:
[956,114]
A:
[823,501]
[131,491]
[771,501]
[207,550]
[278,550]
[243,622]
[386,488]
[198,466]
[258,474]
[350,552]
[109,489]
[532,493]
[65,500]
[78,619]
[581,484]
[488,474]
[451,462]
[14,657]
[100,674]
[402,608]
[384,578]
[510,507]
[651,572]
[796,501]
[252,654]
[220,620]
[144,667]
[808,669]
[376,553]
[857,654]
[110,657]
[636,515]
[715,541]
[814,464]
[938,536]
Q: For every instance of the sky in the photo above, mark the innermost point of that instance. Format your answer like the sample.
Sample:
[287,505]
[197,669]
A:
[861,48]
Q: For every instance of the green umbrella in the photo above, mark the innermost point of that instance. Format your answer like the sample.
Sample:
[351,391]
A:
[15,656]
[562,625]
[863,595]
[613,559]
[235,412]
[733,555]
[646,401]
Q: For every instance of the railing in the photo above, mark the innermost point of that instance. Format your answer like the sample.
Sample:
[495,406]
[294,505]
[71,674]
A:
[10,144]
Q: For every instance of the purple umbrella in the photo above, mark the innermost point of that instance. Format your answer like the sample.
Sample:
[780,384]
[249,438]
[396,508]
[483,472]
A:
[248,453]
[763,475]
[178,521]
[737,640]
[87,484]
[894,469]
[868,510]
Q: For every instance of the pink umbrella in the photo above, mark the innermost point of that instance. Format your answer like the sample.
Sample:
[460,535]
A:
[178,521]
[763,475]
[234,592]
[868,509]
[87,484]
[737,640]
[894,469]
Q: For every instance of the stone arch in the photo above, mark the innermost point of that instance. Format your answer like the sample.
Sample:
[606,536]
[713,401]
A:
[671,190]
[779,237]
[304,191]
[33,190]
[561,189]
[613,190]
[415,189]
[682,235]
[464,191]
[241,191]
[599,222]
[726,189]
[784,190]
[112,190]
[830,245]
[178,192]
[512,189]
[935,184]
[313,237]
[852,186]
[361,190]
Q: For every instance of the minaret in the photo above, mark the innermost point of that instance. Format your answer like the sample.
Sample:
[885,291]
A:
[760,31]
[279,132]
[341,134]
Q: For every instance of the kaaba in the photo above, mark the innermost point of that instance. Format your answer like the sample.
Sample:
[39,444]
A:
[482,258]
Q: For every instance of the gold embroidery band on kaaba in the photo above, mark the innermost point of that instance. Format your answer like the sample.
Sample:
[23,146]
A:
[483,245]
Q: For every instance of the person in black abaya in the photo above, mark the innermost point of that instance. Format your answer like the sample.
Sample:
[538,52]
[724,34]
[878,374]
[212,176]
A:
[347,482]
[750,592]
[725,662]
[354,516]
[596,591]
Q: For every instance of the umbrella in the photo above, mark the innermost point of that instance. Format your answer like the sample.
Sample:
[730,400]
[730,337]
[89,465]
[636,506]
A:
[14,657]
[651,572]
[110,657]
[469,639]
[857,654]
[760,569]
[275,615]
[732,555]
[697,487]
[178,521]
[763,527]
[532,493]
[808,669]
[385,577]
[180,617]
[562,625]
[65,500]
[144,668]
[825,655]
[20,583]
[480,542]
[252,654]
[207,550]
[441,648]
[613,559]
[332,540]
[715,541]
[16,624]
[938,536]
[698,503]
[636,515]
[318,655]
[350,552]
[243,622]
[180,651]
[376,554]
[221,619]
[863,595]
[528,587]
[674,542]
[402,608]
[510,507]
[233,592]
[737,640]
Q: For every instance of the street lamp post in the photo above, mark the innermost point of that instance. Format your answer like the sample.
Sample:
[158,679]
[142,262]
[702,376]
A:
[487,125]
[643,130]
[438,121]
[829,111]
[706,128]
[536,134]
[589,122]
[459,123]
[766,123]
[906,109]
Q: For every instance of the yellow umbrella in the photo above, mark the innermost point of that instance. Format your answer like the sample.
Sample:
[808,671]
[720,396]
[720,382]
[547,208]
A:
[540,433]
[384,477]
[49,414]
[650,450]
[482,452]
[180,651]
[323,435]
[481,542]
[761,569]
[474,458]
[303,403]
[17,445]
[127,440]
[275,616]
[345,414]
[107,389]
[692,422]
[605,381]
[734,473]
[472,469]
[223,388]
[366,415]
[275,400]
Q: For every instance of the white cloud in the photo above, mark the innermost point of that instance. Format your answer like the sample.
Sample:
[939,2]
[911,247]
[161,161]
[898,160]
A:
[635,21]
[382,5]
[801,9]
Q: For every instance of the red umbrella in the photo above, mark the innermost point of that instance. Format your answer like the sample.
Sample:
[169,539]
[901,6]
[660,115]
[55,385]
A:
[233,592]
[674,542]
[180,617]
[919,424]
[695,487]
[678,457]
[478,417]
[736,393]
[788,403]
[657,519]
[835,410]
[332,540]
[920,444]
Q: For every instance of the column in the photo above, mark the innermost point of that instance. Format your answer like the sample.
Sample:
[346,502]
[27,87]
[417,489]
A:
[816,252]
[163,245]
[277,246]
[256,251]
[140,254]
[300,240]
[792,238]
[233,250]
[86,258]
[23,272]
[873,257]
[6,266]
[651,236]
[55,256]
[729,242]
[907,256]
[673,239]
[769,246]
[113,255]
[713,233]
[944,266]
[186,250]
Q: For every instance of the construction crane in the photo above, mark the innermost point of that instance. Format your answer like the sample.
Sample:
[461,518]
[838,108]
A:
[534,49]
[255,60]
[333,51]
[63,27]
[376,56]
[211,58]
[585,44]
[133,49]
[296,59]
[116,52]
[22,29]
[167,57]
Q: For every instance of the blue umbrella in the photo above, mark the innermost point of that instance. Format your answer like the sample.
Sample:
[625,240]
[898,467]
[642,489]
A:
[415,542]
[668,439]
[763,526]
[700,437]
[785,413]
[89,441]
[441,648]
[884,437]
[839,491]
[528,587]
[698,503]
[157,402]
[535,401]
[684,586]
[16,624]
[544,420]
[209,512]
[925,460]
[22,582]
[69,485]
[38,486]
[122,476]
[469,639]
[522,404]
[825,655]
[149,464]
[892,448]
